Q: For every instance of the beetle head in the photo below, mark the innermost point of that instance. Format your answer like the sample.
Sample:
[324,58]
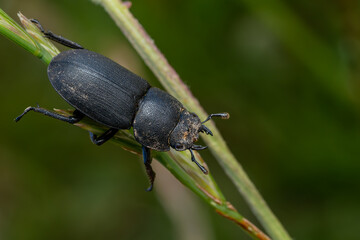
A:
[186,131]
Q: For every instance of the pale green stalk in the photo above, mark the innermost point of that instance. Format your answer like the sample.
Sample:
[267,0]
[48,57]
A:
[29,40]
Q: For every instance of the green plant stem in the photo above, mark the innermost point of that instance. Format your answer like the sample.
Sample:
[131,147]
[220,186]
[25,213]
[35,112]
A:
[176,162]
[173,84]
[10,29]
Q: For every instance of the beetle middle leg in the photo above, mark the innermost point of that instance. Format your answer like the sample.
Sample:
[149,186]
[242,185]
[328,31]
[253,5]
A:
[57,38]
[76,117]
[103,137]
[149,171]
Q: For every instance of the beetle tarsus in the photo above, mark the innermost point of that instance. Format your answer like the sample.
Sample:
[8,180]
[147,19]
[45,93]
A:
[198,147]
[37,23]
[76,117]
[28,109]
[56,38]
[103,137]
[202,168]
[149,171]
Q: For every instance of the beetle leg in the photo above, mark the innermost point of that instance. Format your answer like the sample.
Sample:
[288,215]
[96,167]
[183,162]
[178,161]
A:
[198,147]
[202,168]
[76,117]
[57,38]
[149,171]
[103,137]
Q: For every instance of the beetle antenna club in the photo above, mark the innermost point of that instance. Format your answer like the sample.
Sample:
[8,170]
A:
[119,99]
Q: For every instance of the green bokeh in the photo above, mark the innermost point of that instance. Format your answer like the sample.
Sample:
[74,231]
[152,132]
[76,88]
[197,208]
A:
[297,137]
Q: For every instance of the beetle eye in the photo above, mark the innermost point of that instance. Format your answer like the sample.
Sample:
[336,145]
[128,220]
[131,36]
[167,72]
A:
[179,147]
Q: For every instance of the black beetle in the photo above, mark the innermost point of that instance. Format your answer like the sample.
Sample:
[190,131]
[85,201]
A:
[111,95]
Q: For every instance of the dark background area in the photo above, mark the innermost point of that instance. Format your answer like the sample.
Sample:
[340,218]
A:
[287,72]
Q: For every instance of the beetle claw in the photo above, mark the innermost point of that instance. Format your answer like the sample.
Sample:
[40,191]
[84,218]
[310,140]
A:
[149,189]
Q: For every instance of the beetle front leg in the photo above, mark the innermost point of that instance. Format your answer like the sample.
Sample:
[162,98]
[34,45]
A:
[103,137]
[149,171]
[202,168]
[76,117]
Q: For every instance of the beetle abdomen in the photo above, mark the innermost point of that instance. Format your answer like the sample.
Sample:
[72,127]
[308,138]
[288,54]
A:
[98,87]
[157,116]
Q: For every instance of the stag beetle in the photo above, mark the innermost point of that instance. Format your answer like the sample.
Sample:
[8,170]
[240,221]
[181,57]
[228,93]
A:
[108,93]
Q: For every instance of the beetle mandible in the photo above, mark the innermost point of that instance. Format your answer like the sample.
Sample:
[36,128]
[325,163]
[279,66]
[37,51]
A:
[113,96]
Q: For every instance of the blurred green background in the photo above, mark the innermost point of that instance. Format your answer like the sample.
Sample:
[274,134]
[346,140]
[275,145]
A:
[287,72]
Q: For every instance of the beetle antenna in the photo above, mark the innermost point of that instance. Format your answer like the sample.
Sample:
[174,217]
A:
[202,168]
[206,130]
[221,115]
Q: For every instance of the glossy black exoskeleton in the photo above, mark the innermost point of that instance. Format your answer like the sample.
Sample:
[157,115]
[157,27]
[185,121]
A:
[111,95]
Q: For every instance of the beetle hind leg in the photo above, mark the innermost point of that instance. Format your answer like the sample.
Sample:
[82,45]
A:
[57,38]
[149,171]
[103,137]
[76,117]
